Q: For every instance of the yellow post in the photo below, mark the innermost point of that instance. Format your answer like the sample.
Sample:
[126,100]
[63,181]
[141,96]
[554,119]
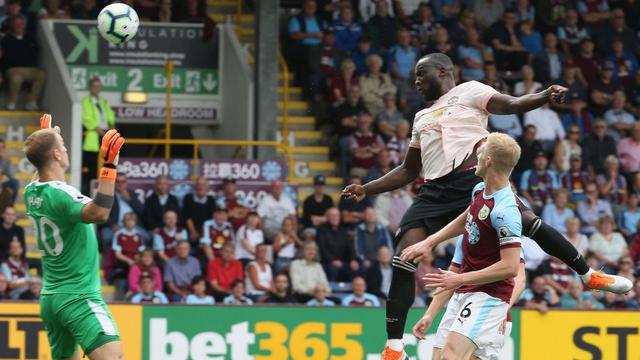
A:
[285,99]
[167,124]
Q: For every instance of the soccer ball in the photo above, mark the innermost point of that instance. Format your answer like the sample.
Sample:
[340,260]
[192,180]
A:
[118,23]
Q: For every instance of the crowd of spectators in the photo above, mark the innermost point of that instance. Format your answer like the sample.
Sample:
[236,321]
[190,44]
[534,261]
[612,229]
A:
[579,168]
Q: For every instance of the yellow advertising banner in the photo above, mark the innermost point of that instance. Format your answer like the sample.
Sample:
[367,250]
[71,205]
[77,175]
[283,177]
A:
[22,335]
[569,335]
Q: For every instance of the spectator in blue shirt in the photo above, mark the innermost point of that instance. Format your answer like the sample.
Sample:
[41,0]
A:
[630,218]
[359,297]
[199,295]
[370,236]
[577,298]
[347,30]
[473,54]
[508,124]
[307,27]
[557,213]
[360,54]
[306,31]
[592,209]
[530,38]
[402,57]
[538,184]
[320,297]
[148,293]
[624,61]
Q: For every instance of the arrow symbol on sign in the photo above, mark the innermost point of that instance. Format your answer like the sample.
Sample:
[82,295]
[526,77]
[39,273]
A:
[209,83]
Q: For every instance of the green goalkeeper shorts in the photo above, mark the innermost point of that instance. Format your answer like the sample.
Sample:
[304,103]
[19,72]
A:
[71,320]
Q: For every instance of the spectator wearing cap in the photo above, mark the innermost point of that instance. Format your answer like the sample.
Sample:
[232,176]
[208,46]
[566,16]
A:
[148,293]
[591,209]
[557,213]
[597,147]
[198,208]
[273,208]
[473,54]
[619,120]
[165,239]
[158,203]
[365,146]
[509,52]
[248,237]
[387,120]
[538,184]
[612,186]
[179,272]
[603,88]
[624,61]
[566,148]
[375,86]
[9,232]
[549,126]
[19,64]
[348,31]
[237,207]
[223,271]
[381,168]
[530,147]
[398,144]
[629,152]
[316,205]
[306,32]
[571,33]
[215,233]
[361,53]
[370,236]
[575,180]
[382,27]
[336,247]
[145,266]
[548,63]
[97,118]
[351,212]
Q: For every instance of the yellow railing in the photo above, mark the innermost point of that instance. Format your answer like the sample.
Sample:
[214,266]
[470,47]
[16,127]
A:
[285,99]
[197,143]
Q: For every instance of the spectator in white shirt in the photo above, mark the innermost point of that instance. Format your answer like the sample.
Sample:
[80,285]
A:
[307,273]
[390,207]
[608,246]
[273,208]
[577,239]
[549,126]
[247,238]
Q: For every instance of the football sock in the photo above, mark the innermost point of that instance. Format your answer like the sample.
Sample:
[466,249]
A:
[555,244]
[395,344]
[401,297]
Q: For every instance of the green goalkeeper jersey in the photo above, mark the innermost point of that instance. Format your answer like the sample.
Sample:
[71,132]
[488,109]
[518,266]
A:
[69,247]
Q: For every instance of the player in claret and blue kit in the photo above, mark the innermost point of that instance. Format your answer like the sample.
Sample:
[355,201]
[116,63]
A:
[71,307]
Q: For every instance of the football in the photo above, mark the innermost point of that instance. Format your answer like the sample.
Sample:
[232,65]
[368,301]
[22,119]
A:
[118,23]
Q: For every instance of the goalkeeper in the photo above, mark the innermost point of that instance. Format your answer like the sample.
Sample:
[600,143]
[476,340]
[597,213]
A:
[71,306]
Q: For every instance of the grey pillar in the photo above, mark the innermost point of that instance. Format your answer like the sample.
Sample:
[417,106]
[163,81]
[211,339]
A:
[266,73]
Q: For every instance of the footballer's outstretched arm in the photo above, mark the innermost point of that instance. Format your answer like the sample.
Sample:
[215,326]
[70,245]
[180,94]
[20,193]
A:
[97,211]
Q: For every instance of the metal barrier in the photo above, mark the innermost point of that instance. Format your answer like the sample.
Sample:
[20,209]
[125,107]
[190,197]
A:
[196,143]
